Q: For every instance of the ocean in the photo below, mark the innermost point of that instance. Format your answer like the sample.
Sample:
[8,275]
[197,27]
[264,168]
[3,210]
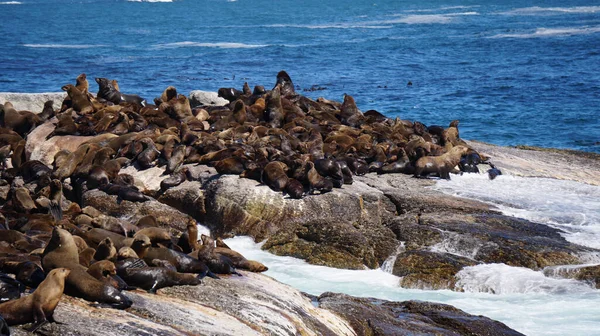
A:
[513,72]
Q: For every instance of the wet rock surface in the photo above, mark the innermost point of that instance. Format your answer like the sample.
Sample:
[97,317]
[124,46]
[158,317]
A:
[380,317]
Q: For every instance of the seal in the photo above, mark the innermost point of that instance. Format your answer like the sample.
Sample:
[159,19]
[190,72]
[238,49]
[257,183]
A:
[239,261]
[317,182]
[156,235]
[61,251]
[155,278]
[107,91]
[493,172]
[217,263]
[274,175]
[86,257]
[106,271]
[10,289]
[106,250]
[80,101]
[56,194]
[39,306]
[442,165]
[82,84]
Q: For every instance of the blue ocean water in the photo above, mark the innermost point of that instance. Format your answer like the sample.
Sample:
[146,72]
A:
[512,71]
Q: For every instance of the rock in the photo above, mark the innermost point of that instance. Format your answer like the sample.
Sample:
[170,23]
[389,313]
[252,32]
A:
[165,215]
[587,273]
[369,316]
[198,98]
[33,102]
[343,228]
[543,162]
[429,270]
[187,197]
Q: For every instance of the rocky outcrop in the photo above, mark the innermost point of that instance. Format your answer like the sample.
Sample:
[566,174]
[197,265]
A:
[344,228]
[165,215]
[255,304]
[200,98]
[380,317]
[33,102]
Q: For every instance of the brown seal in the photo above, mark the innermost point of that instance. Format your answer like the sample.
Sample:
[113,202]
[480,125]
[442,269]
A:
[106,250]
[82,84]
[79,100]
[442,165]
[239,261]
[274,175]
[39,306]
[61,251]
[316,181]
[217,263]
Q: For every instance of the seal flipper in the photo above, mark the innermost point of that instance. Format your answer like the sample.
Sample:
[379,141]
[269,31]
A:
[56,211]
[39,319]
[212,275]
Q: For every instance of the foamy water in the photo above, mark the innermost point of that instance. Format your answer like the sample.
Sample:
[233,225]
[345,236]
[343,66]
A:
[532,302]
[523,299]
[570,206]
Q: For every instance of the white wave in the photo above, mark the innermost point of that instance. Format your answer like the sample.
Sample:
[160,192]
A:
[504,279]
[333,26]
[427,18]
[11,3]
[536,10]
[150,0]
[445,8]
[571,206]
[550,32]
[388,265]
[545,310]
[222,45]
[65,46]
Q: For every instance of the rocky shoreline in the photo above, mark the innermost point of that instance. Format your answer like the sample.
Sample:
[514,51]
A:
[358,226]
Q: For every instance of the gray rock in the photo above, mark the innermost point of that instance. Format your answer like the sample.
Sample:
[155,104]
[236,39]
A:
[198,98]
[33,102]
[380,317]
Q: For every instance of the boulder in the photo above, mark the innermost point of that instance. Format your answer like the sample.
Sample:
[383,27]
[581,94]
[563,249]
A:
[369,316]
[343,228]
[165,215]
[33,102]
[203,98]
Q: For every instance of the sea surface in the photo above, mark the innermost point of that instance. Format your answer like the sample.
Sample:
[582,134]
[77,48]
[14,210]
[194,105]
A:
[512,71]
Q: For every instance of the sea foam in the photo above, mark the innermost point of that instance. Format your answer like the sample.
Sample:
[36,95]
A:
[222,45]
[551,32]
[571,206]
[66,46]
[552,10]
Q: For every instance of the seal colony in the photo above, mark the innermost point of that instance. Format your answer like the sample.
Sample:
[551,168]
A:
[286,141]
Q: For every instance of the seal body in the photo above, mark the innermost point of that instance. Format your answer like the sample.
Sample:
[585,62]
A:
[39,306]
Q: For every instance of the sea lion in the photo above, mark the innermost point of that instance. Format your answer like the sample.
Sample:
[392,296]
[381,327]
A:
[22,122]
[107,91]
[169,93]
[106,271]
[217,263]
[56,194]
[47,111]
[155,234]
[294,189]
[188,241]
[29,273]
[285,82]
[61,251]
[239,261]
[273,114]
[80,101]
[39,306]
[176,159]
[155,278]
[82,84]
[183,262]
[10,289]
[106,250]
[493,172]
[442,165]
[86,257]
[274,175]
[174,180]
[316,181]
